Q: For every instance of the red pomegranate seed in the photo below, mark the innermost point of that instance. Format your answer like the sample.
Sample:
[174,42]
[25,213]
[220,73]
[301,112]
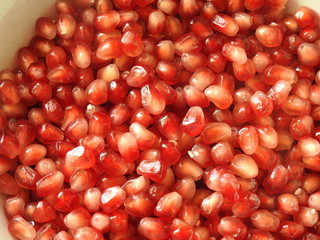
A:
[80,157]
[181,230]
[225,24]
[112,198]
[21,229]
[234,53]
[109,48]
[153,228]
[308,54]
[103,21]
[291,229]
[265,220]
[232,226]
[306,216]
[306,17]
[77,218]
[248,139]
[87,233]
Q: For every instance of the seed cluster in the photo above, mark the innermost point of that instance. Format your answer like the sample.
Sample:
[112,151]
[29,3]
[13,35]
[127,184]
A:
[164,119]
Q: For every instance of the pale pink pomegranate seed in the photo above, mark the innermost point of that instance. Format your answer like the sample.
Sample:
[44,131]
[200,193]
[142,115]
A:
[66,26]
[219,96]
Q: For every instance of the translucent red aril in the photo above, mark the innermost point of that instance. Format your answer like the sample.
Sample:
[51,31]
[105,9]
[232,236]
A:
[234,53]
[62,73]
[308,54]
[80,157]
[265,220]
[308,146]
[26,177]
[168,206]
[128,147]
[81,54]
[306,216]
[154,228]
[82,179]
[79,217]
[187,43]
[248,139]
[109,48]
[215,132]
[269,35]
[152,100]
[220,96]
[211,205]
[244,166]
[225,25]
[46,28]
[9,92]
[21,228]
[261,104]
[66,26]
[107,21]
[232,226]
[87,232]
[44,212]
[306,17]
[97,92]
[112,198]
[288,203]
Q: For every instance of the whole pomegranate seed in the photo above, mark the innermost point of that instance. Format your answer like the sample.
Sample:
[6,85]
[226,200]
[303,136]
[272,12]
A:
[66,26]
[265,220]
[234,53]
[232,226]
[21,229]
[269,36]
[308,54]
[77,218]
[153,228]
[306,216]
[225,25]
[112,198]
[306,17]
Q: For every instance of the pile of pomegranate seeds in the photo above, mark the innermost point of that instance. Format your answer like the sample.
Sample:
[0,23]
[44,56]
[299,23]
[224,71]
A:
[164,119]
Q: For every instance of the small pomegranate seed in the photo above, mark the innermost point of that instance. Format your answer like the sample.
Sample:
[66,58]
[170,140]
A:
[265,220]
[232,226]
[269,36]
[225,24]
[21,229]
[153,228]
[306,216]
[306,17]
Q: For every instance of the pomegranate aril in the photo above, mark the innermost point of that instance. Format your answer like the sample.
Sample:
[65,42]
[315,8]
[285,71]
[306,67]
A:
[77,218]
[82,179]
[87,233]
[109,48]
[232,226]
[306,216]
[306,17]
[112,198]
[21,229]
[265,220]
[225,24]
[153,228]
[234,53]
[181,230]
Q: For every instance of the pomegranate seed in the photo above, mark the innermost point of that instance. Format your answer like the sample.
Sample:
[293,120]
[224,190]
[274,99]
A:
[87,233]
[234,53]
[102,21]
[308,54]
[112,198]
[21,229]
[225,24]
[232,226]
[77,218]
[153,228]
[306,216]
[306,17]
[265,220]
